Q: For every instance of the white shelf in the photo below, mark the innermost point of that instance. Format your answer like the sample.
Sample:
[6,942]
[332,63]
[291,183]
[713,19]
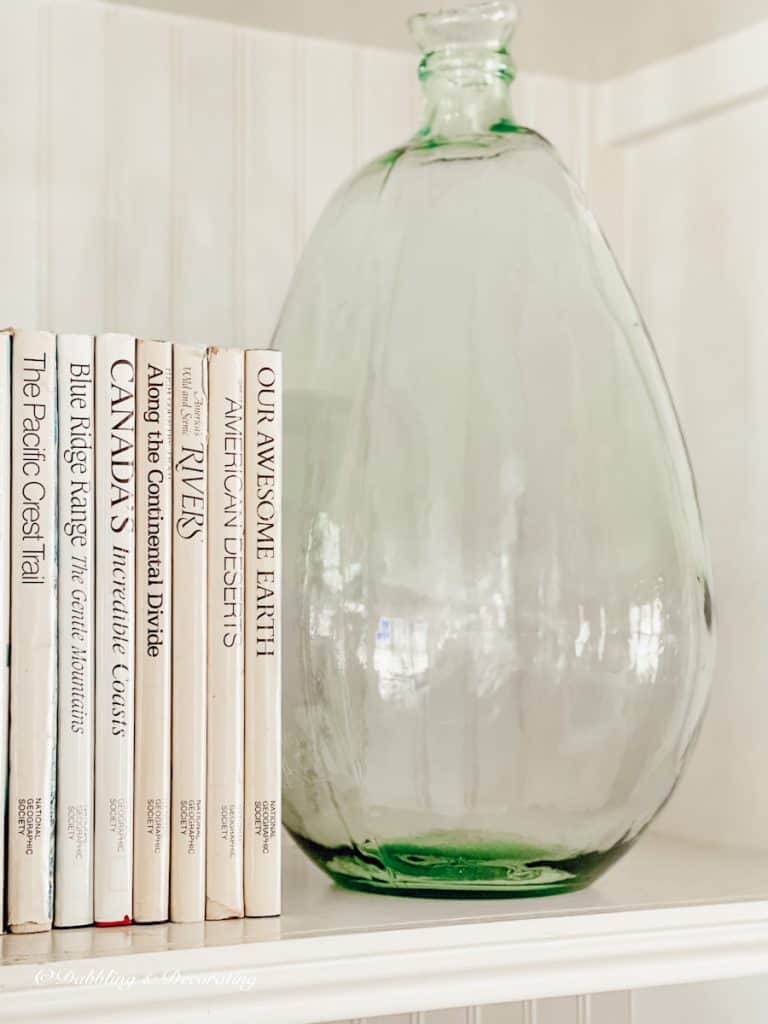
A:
[670,912]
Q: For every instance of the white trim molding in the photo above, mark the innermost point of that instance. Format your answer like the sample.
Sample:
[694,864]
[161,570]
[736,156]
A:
[337,976]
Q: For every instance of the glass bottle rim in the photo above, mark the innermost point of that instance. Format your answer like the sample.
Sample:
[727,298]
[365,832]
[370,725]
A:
[466,44]
[484,25]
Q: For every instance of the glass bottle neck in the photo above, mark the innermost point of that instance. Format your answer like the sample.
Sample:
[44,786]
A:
[466,97]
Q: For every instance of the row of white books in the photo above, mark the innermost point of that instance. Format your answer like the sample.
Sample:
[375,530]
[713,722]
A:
[139,590]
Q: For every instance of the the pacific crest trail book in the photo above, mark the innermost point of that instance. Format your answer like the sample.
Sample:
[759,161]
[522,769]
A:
[154,518]
[74,783]
[115,625]
[5,588]
[263,481]
[190,603]
[32,741]
[226,586]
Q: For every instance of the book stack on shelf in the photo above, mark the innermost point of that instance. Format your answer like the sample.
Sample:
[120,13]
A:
[139,591]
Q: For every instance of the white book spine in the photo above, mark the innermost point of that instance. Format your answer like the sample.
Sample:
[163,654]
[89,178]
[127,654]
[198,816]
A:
[263,487]
[74,783]
[5,589]
[190,602]
[115,623]
[32,740]
[154,517]
[226,587]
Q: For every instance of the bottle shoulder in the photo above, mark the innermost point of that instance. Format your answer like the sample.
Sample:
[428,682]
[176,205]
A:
[513,150]
[478,180]
[423,149]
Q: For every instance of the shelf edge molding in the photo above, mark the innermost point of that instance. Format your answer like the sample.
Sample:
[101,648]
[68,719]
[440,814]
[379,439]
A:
[331,977]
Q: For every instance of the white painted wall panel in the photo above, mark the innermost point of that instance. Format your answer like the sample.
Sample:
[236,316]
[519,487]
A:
[600,1008]
[207,186]
[698,223]
[75,189]
[331,81]
[743,1001]
[385,102]
[272,215]
[23,88]
[139,163]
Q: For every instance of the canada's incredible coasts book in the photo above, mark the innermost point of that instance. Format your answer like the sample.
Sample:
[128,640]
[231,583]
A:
[115,627]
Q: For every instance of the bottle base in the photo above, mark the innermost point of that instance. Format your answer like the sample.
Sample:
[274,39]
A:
[427,867]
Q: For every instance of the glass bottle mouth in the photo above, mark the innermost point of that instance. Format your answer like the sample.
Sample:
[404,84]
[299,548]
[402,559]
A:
[488,24]
[468,44]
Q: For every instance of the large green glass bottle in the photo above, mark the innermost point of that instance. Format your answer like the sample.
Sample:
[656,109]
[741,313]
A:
[498,616]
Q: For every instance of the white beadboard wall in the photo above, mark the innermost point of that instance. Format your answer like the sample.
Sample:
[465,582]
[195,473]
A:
[603,1008]
[689,140]
[160,174]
